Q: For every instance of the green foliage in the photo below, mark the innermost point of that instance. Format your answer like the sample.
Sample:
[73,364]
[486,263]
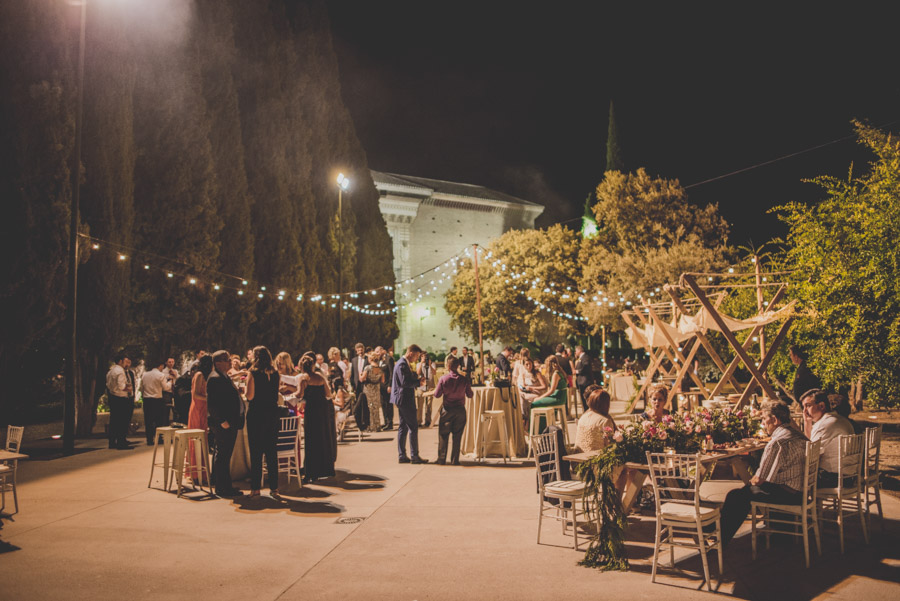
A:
[607,548]
[648,236]
[846,253]
[508,315]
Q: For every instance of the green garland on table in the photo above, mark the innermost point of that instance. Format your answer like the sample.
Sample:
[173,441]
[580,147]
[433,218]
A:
[604,507]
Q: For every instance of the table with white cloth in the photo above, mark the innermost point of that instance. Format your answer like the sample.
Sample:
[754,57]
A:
[621,386]
[489,398]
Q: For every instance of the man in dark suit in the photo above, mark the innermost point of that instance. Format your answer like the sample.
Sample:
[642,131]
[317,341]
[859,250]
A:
[403,394]
[584,375]
[226,417]
[387,367]
[467,364]
[503,364]
[357,366]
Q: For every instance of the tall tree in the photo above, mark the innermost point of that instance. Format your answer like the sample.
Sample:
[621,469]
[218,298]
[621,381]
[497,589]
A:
[107,201]
[36,141]
[846,253]
[529,288]
[614,159]
[648,235]
[175,213]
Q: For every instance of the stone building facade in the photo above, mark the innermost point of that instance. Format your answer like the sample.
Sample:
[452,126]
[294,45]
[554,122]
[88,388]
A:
[431,221]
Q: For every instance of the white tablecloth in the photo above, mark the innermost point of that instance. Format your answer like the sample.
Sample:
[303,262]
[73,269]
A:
[621,387]
[487,398]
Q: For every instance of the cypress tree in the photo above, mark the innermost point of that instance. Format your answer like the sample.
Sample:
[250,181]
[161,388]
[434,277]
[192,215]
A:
[614,160]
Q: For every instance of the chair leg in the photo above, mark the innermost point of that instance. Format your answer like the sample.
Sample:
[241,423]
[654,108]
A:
[656,545]
[540,515]
[805,527]
[862,518]
[877,490]
[719,545]
[753,532]
[575,523]
[815,524]
[703,556]
[840,521]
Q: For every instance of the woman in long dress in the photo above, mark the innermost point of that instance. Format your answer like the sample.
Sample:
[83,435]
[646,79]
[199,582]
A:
[372,377]
[197,416]
[318,422]
[262,420]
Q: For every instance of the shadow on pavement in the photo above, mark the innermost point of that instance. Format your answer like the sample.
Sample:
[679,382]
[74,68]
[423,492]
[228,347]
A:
[344,480]
[266,503]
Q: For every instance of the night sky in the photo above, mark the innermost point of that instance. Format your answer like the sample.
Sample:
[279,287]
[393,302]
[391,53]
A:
[516,98]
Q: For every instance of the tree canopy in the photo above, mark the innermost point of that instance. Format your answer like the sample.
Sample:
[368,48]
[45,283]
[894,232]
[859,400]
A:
[846,253]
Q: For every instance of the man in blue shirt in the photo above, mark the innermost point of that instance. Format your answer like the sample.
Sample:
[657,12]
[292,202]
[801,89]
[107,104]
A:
[403,394]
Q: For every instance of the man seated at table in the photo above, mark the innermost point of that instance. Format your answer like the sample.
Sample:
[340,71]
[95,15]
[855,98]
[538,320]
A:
[823,425]
[780,475]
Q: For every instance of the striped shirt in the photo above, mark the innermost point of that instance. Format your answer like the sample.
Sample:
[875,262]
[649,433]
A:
[783,459]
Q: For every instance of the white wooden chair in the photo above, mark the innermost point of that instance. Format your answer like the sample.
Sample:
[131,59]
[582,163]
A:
[287,448]
[567,493]
[8,468]
[849,490]
[872,471]
[676,487]
[803,515]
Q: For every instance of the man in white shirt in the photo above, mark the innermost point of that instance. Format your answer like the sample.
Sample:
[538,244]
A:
[153,384]
[822,424]
[120,397]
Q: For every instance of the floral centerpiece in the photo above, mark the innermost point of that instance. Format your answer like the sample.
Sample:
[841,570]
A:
[684,433]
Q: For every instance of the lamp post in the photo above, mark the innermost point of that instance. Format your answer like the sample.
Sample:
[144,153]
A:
[72,294]
[343,182]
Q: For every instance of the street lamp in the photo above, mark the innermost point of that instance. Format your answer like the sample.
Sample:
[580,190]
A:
[72,294]
[343,183]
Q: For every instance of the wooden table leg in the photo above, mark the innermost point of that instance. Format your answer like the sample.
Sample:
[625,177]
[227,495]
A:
[740,469]
[633,489]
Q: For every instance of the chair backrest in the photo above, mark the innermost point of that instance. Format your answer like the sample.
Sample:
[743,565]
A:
[675,474]
[14,438]
[287,435]
[813,453]
[873,451]
[851,456]
[546,457]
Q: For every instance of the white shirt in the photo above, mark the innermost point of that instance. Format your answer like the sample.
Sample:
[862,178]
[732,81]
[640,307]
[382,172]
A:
[827,430]
[116,381]
[345,368]
[154,382]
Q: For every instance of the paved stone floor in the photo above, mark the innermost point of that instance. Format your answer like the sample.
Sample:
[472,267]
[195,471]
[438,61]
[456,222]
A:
[89,528]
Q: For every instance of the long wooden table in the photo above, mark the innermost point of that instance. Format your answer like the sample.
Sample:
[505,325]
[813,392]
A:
[638,472]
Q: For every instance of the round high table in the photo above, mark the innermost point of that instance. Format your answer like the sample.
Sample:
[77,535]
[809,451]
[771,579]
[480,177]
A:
[488,398]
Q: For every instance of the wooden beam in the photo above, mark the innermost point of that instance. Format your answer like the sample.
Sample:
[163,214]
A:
[676,350]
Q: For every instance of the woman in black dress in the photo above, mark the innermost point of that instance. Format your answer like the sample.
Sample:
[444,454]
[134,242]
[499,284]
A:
[263,421]
[318,422]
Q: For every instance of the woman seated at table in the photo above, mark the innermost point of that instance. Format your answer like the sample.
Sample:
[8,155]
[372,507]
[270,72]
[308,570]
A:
[659,394]
[531,385]
[596,426]
[558,391]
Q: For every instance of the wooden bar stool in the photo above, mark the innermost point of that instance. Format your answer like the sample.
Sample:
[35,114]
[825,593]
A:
[488,418]
[548,413]
[168,435]
[183,440]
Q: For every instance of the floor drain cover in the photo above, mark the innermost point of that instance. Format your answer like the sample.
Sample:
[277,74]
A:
[348,520]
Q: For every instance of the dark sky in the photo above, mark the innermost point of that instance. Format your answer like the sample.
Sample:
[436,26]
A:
[516,97]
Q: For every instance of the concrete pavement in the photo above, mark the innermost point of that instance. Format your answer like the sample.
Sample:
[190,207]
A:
[89,528]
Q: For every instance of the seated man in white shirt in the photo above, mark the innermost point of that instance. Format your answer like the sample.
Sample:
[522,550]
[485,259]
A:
[822,424]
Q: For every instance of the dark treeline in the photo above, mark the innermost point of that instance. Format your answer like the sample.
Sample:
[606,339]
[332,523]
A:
[213,133]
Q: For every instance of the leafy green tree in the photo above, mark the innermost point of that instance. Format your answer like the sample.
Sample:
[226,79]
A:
[518,270]
[648,235]
[846,253]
